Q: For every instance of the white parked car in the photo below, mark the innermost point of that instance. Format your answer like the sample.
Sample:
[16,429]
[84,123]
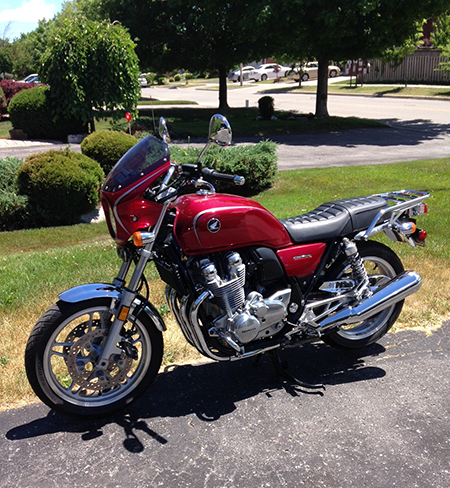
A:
[310,70]
[143,81]
[33,78]
[236,74]
[267,71]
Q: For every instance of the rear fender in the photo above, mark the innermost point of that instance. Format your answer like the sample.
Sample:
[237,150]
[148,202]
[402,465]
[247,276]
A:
[106,290]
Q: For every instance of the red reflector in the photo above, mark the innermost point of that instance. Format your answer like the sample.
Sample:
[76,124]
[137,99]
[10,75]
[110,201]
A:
[425,209]
[422,235]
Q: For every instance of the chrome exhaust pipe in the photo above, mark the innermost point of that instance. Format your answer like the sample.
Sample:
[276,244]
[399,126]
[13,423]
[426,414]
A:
[394,291]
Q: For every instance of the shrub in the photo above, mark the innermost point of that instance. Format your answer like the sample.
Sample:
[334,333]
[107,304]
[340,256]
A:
[107,147]
[256,163]
[13,211]
[61,186]
[2,103]
[8,170]
[30,111]
[11,88]
[13,207]
[177,77]
[266,107]
[150,77]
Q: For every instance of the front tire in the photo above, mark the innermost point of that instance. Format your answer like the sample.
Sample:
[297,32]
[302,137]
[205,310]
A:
[62,352]
[381,264]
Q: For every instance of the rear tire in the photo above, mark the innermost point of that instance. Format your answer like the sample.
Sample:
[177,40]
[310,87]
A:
[382,264]
[62,352]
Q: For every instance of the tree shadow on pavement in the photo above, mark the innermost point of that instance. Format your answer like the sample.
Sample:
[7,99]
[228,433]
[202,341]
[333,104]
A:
[397,132]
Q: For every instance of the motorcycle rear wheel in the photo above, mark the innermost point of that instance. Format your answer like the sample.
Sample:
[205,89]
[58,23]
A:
[381,264]
[63,348]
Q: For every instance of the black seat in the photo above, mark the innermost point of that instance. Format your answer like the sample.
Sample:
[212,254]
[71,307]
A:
[334,219]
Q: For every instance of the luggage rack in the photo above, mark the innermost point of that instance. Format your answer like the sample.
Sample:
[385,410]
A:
[399,202]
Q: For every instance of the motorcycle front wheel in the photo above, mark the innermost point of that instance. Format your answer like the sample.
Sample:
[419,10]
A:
[64,346]
[381,264]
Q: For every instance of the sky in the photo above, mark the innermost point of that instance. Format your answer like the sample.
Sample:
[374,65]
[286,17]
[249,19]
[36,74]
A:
[23,15]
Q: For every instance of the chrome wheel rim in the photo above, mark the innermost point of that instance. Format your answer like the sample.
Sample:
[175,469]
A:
[71,353]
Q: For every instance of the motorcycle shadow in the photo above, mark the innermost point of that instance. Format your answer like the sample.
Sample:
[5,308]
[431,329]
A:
[212,390]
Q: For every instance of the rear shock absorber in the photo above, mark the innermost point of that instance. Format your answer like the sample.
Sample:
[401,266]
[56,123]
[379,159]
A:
[359,271]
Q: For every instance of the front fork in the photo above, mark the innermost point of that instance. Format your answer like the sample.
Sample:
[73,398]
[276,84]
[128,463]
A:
[124,303]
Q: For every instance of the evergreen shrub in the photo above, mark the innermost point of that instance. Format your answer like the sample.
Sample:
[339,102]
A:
[256,163]
[13,207]
[107,147]
[61,186]
[29,110]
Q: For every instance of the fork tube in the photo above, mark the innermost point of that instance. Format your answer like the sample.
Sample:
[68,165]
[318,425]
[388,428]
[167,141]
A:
[129,294]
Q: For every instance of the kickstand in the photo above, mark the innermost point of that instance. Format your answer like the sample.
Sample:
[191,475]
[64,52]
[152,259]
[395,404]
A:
[281,369]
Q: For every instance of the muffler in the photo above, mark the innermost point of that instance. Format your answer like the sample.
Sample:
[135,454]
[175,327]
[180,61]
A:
[392,292]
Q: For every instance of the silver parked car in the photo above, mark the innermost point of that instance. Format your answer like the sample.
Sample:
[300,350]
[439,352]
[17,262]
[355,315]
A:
[236,74]
[266,71]
[310,70]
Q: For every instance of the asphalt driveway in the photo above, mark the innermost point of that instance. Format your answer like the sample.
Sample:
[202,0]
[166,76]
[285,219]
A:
[384,420]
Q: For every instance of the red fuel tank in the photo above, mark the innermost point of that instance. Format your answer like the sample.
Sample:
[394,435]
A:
[218,222]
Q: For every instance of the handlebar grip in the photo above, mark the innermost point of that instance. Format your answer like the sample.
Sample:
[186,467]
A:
[210,173]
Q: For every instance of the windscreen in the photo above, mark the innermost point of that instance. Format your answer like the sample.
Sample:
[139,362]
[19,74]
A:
[146,157]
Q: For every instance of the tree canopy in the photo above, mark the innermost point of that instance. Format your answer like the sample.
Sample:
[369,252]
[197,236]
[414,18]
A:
[339,30]
[194,35]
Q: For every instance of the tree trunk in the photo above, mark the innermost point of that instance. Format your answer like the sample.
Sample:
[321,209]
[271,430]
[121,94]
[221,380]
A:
[223,103]
[322,90]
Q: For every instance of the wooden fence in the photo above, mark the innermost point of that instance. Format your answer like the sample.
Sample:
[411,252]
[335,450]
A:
[422,66]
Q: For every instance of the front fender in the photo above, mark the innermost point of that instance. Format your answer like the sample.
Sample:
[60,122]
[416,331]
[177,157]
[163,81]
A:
[106,290]
[88,291]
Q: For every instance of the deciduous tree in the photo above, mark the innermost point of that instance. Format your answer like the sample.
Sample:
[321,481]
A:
[91,67]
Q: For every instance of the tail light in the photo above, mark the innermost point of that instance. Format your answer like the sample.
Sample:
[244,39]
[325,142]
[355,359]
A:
[419,237]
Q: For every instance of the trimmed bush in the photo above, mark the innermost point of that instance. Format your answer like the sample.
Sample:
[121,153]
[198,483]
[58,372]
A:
[13,207]
[266,107]
[13,211]
[11,88]
[30,111]
[61,186]
[256,163]
[107,147]
[8,170]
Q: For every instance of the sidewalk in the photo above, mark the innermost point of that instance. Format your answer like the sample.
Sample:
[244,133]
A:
[9,143]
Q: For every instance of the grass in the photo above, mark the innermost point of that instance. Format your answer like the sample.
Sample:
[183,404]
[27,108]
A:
[194,122]
[37,264]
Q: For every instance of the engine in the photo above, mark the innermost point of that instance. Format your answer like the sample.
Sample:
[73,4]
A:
[238,316]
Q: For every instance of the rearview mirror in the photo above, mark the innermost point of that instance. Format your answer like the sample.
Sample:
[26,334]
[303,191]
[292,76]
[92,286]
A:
[220,130]
[163,131]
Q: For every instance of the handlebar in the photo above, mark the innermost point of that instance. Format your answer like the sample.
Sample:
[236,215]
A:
[210,173]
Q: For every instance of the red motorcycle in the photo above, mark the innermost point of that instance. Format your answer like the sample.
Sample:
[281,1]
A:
[240,282]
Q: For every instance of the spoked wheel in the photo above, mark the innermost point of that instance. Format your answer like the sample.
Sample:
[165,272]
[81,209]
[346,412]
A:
[381,264]
[62,353]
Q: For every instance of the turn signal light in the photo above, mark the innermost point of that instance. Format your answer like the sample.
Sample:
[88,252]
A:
[143,238]
[137,239]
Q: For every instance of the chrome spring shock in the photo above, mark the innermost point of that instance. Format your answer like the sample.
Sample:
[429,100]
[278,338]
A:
[359,271]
